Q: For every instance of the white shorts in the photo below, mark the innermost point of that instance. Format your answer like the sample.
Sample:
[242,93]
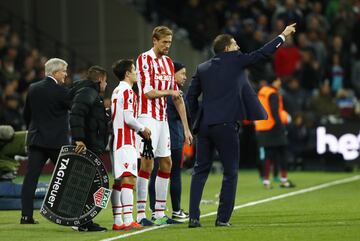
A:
[124,162]
[160,136]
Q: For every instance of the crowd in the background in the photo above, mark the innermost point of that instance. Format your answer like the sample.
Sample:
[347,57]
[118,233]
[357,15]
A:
[20,65]
[326,47]
[320,67]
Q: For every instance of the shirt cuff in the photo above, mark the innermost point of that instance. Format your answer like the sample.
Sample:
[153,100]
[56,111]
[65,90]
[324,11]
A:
[282,37]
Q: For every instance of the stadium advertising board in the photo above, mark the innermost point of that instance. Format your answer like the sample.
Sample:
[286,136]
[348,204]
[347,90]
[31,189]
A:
[339,139]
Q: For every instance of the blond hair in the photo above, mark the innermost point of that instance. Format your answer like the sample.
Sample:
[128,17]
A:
[161,31]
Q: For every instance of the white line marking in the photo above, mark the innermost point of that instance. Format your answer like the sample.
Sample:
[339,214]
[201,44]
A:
[249,204]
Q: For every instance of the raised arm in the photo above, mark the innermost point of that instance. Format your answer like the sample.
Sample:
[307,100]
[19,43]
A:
[268,49]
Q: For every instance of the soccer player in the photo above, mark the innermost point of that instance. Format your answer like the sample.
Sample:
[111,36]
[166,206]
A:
[155,74]
[125,127]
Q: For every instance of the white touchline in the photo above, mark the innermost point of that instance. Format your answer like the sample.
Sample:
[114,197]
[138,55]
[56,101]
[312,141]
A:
[290,194]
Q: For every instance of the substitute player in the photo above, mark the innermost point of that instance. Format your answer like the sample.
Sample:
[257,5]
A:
[155,74]
[125,127]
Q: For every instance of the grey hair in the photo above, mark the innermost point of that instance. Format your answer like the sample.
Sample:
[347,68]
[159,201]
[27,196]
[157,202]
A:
[53,65]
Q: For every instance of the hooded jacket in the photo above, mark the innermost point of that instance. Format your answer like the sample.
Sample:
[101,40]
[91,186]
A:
[88,118]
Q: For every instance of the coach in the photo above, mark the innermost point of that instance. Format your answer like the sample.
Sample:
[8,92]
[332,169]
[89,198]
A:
[227,98]
[46,116]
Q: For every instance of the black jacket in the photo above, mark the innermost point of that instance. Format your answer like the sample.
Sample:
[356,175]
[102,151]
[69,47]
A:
[46,114]
[88,119]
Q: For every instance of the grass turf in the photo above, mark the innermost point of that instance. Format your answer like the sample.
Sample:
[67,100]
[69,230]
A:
[331,213]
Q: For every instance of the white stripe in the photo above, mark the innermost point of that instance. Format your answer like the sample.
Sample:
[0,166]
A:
[285,195]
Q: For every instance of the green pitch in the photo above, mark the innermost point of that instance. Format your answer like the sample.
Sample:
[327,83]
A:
[327,213]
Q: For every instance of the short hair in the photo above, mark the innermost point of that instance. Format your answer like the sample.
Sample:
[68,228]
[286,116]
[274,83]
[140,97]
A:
[53,65]
[221,42]
[161,31]
[121,66]
[94,73]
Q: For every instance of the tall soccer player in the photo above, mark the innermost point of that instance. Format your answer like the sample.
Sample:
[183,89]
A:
[125,127]
[155,74]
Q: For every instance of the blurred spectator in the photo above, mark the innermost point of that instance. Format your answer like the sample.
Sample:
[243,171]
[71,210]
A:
[292,14]
[337,47]
[295,97]
[347,103]
[308,72]
[287,59]
[336,74]
[319,49]
[323,104]
[355,76]
[298,137]
[316,20]
[11,114]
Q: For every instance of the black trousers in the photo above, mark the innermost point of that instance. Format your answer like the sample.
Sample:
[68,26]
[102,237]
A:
[175,181]
[37,159]
[225,139]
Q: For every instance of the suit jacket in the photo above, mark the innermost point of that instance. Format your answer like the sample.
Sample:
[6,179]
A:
[46,114]
[227,93]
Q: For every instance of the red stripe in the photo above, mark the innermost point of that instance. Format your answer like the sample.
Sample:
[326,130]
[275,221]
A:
[163,63]
[135,116]
[144,174]
[140,211]
[143,79]
[126,99]
[127,134]
[171,65]
[140,201]
[117,187]
[127,212]
[117,214]
[165,99]
[163,174]
[129,186]
[161,102]
[114,113]
[119,139]
[161,201]
[127,174]
[158,64]
[152,83]
[130,205]
[159,209]
[133,138]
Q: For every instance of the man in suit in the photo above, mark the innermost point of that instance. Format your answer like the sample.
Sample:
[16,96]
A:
[227,99]
[46,116]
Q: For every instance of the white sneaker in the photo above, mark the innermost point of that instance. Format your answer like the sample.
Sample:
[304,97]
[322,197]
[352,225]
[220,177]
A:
[180,214]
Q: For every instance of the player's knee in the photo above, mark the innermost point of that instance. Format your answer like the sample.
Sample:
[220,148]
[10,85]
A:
[165,164]
[147,165]
[128,180]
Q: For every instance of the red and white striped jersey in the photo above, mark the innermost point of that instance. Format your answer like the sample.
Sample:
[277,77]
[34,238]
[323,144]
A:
[123,99]
[154,73]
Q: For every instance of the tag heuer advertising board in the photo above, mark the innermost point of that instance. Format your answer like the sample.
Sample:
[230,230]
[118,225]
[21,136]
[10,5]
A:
[78,190]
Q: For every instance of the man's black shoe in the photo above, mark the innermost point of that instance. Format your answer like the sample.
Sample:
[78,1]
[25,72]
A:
[90,227]
[222,224]
[28,220]
[194,223]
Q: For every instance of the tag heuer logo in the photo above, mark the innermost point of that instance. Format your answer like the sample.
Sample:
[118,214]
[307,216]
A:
[102,197]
